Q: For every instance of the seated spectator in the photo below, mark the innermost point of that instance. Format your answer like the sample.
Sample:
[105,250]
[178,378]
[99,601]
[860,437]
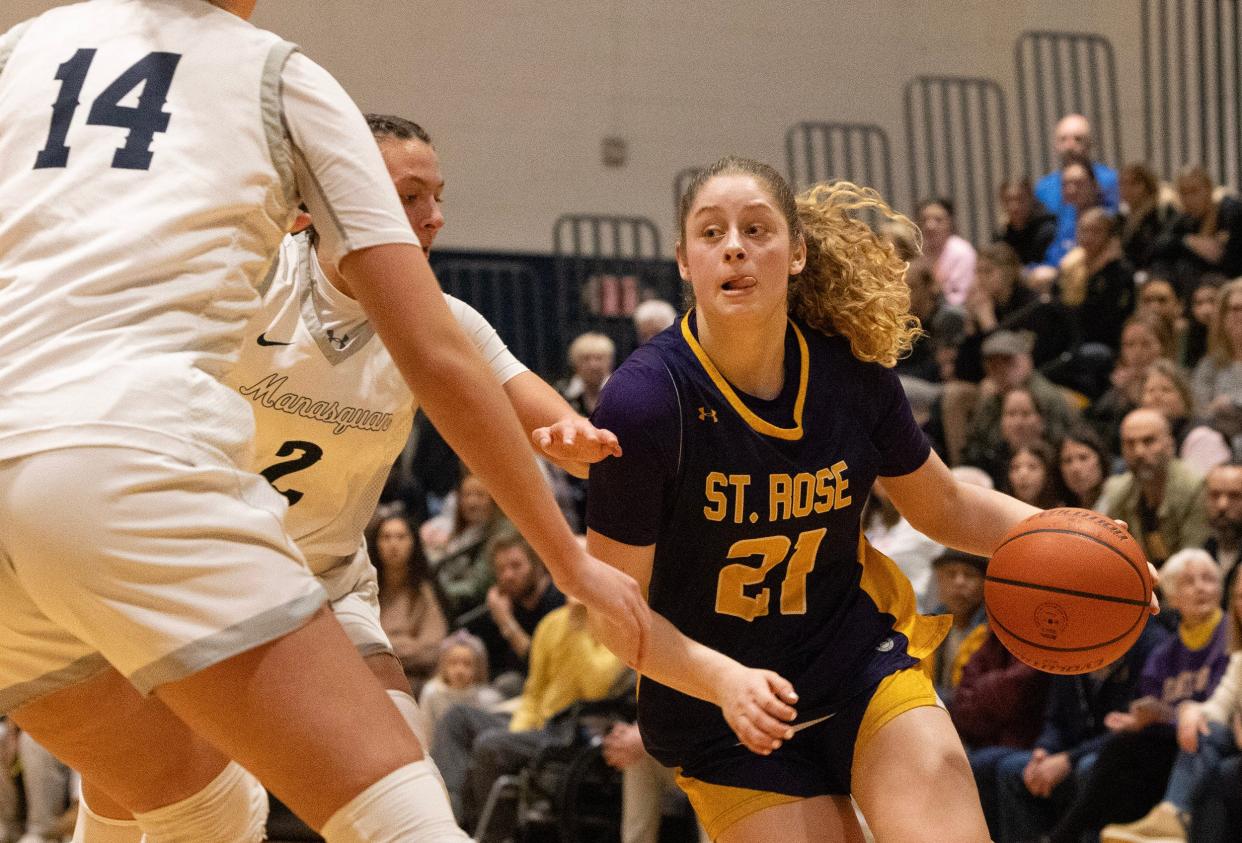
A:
[959,582]
[1022,423]
[1034,787]
[1079,192]
[1144,340]
[1207,733]
[998,707]
[1097,285]
[1203,302]
[892,535]
[644,782]
[952,258]
[456,541]
[1032,475]
[1160,498]
[522,596]
[651,317]
[1205,238]
[49,790]
[1217,380]
[1083,464]
[473,747]
[1146,217]
[1072,139]
[1223,490]
[1000,301]
[1166,390]
[925,303]
[460,679]
[409,611]
[1029,227]
[1133,765]
[592,357]
[1159,297]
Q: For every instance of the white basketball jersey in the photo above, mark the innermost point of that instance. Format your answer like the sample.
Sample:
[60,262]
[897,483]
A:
[332,412]
[151,155]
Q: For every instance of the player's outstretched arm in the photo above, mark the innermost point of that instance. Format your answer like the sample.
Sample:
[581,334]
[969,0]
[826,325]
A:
[757,704]
[556,429]
[396,288]
[957,515]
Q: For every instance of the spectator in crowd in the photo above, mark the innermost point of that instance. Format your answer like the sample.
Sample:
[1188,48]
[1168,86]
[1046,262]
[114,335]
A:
[952,258]
[1203,302]
[1144,340]
[1160,498]
[1029,227]
[651,317]
[1223,490]
[923,363]
[1205,238]
[998,707]
[460,679]
[49,792]
[473,747]
[592,357]
[644,781]
[1034,787]
[1083,464]
[1023,422]
[893,535]
[1072,139]
[1208,733]
[1166,390]
[1133,765]
[1032,475]
[1159,297]
[1097,285]
[1217,380]
[456,541]
[10,802]
[1000,301]
[409,611]
[1146,217]
[1079,191]
[959,583]
[523,594]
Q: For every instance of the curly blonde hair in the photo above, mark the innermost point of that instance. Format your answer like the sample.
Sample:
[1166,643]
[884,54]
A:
[853,284]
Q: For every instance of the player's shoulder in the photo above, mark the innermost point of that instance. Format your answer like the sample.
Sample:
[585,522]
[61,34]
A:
[643,386]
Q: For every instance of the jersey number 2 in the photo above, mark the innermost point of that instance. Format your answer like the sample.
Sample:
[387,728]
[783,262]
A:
[731,596]
[311,454]
[154,73]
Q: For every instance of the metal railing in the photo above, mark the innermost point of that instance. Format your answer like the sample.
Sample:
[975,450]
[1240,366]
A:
[817,152]
[958,140]
[1192,81]
[1061,73]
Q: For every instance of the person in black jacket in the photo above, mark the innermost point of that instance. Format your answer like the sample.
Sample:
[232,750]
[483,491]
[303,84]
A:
[1205,237]
[1029,227]
[1146,216]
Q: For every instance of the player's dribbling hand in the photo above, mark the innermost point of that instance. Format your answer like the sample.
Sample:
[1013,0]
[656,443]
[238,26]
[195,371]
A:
[575,439]
[758,706]
[615,601]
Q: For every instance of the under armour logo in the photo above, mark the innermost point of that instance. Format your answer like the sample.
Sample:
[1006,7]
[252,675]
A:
[339,342]
[705,414]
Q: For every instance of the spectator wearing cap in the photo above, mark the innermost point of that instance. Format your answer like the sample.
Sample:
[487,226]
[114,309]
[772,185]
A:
[1160,498]
[959,583]
[1007,364]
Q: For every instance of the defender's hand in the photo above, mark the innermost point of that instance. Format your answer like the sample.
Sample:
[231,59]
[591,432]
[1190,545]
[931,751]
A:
[575,439]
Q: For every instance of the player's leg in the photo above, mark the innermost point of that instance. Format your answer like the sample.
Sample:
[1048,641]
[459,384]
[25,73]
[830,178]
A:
[907,745]
[826,819]
[746,815]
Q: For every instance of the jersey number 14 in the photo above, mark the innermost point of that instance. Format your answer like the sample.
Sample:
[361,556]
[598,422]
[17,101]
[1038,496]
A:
[154,72]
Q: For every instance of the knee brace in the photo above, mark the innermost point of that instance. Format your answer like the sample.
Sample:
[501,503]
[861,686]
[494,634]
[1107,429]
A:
[232,809]
[92,828]
[407,804]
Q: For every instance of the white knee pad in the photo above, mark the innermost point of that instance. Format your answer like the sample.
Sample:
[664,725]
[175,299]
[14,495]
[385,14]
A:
[413,715]
[232,809]
[407,804]
[92,828]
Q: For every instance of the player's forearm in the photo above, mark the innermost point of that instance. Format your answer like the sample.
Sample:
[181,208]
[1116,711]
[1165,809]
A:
[977,521]
[539,405]
[395,287]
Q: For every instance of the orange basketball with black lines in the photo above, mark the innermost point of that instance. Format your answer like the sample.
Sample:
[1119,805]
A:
[1068,590]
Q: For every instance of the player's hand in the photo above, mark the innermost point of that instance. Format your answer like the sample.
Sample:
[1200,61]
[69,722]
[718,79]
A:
[615,602]
[623,746]
[758,705]
[1191,723]
[1154,605]
[575,439]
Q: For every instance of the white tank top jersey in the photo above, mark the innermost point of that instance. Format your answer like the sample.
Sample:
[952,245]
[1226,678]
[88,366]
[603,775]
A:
[152,156]
[332,413]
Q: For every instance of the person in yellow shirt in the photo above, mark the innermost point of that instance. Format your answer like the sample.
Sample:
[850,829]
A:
[473,748]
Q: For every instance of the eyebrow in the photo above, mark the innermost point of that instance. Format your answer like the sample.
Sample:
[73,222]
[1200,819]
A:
[757,203]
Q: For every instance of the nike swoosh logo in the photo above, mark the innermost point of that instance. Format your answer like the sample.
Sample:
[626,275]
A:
[264,341]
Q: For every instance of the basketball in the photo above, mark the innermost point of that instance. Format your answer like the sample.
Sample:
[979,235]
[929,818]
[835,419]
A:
[1067,591]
